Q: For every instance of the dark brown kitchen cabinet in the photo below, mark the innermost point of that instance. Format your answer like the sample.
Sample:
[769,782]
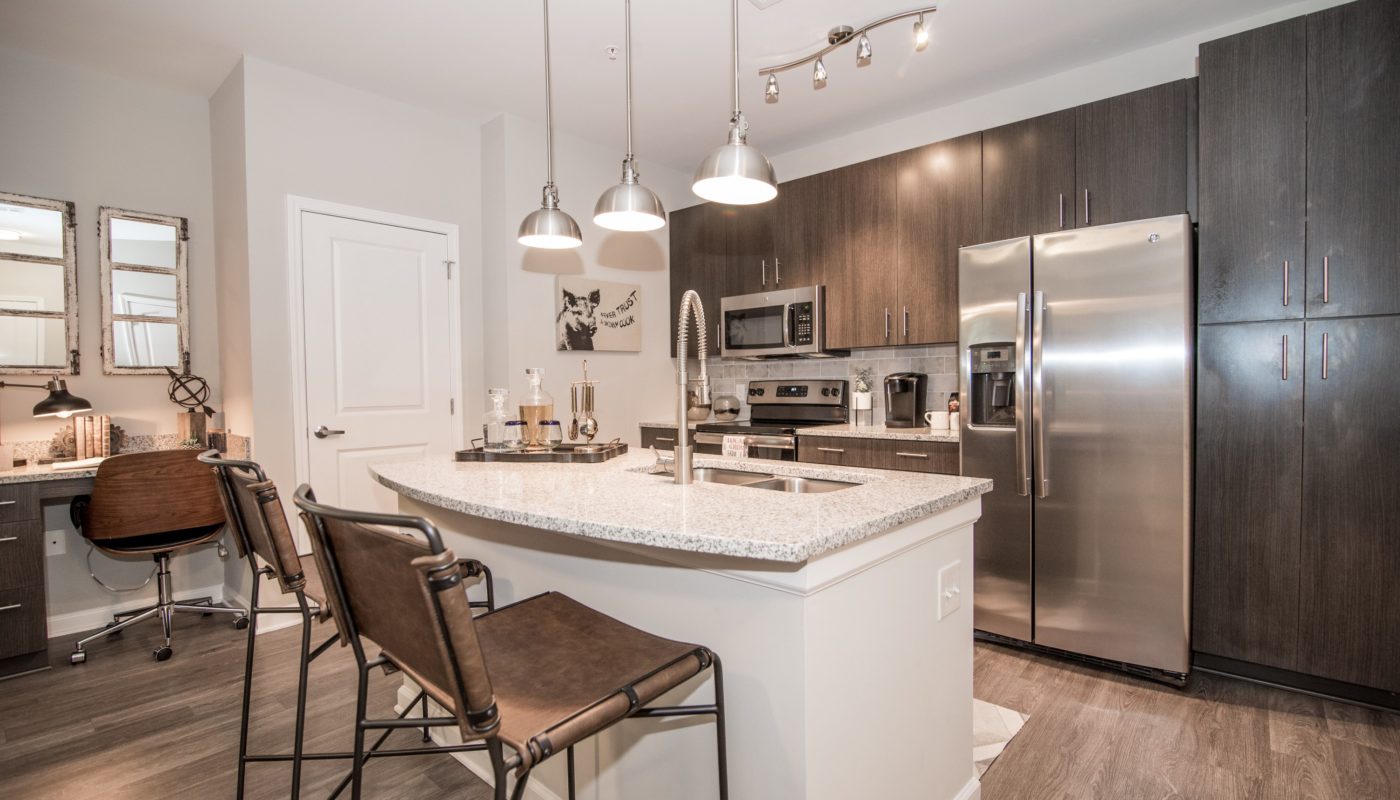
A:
[748,248]
[1028,177]
[900,454]
[1353,124]
[1249,466]
[1349,605]
[939,209]
[1131,156]
[853,240]
[797,212]
[1253,195]
[699,238]
[663,438]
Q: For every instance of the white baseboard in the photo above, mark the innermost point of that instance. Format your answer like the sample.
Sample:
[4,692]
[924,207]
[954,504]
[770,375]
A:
[972,790]
[90,618]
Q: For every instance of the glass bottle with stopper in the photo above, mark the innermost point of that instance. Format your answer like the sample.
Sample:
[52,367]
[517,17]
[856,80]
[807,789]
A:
[535,407]
[493,422]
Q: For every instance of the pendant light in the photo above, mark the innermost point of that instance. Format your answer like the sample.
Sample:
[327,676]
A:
[736,172]
[629,206]
[548,226]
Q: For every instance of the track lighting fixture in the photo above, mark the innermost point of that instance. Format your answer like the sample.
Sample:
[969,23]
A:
[838,37]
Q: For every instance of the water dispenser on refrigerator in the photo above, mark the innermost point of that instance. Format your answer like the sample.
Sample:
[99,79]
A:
[993,385]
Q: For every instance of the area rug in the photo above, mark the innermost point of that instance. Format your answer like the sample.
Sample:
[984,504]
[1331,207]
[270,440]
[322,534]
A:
[992,729]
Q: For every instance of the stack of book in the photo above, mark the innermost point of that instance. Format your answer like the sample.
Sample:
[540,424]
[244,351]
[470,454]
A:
[92,435]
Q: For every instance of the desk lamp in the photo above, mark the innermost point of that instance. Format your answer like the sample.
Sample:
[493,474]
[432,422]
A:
[59,403]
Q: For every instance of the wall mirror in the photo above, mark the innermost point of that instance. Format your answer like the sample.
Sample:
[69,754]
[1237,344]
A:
[38,286]
[145,297]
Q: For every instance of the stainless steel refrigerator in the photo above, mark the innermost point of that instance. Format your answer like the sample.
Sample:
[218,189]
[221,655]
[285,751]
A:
[1076,386]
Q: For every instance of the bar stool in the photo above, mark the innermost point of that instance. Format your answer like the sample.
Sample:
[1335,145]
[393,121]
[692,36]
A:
[255,513]
[559,671]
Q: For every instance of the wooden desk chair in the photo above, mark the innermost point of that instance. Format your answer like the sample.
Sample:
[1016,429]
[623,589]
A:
[260,532]
[155,504]
[559,671]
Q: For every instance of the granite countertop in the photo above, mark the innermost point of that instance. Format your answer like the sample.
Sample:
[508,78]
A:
[920,434]
[619,501]
[44,472]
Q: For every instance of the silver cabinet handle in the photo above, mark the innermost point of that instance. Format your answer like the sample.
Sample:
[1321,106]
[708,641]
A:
[1062,210]
[1326,282]
[887,324]
[322,432]
[906,322]
[1285,356]
[831,449]
[1086,206]
[11,607]
[1042,481]
[1023,363]
[763,270]
[719,346]
[1286,293]
[665,438]
[1324,358]
[912,455]
[9,539]
[777,272]
[8,502]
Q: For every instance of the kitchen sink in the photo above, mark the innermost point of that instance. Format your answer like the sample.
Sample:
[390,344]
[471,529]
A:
[734,477]
[801,485]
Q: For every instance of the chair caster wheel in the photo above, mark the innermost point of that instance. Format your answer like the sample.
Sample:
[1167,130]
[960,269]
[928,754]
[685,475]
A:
[163,653]
[77,657]
[240,624]
[113,625]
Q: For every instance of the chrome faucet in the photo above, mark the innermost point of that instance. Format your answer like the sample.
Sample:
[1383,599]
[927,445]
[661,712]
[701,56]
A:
[685,454]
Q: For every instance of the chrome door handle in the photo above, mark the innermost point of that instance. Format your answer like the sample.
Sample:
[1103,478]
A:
[1062,210]
[1286,293]
[8,502]
[322,432]
[906,322]
[1086,206]
[665,438]
[1324,358]
[912,455]
[1326,280]
[831,449]
[9,539]
[11,607]
[1042,478]
[1285,356]
[1023,442]
[887,324]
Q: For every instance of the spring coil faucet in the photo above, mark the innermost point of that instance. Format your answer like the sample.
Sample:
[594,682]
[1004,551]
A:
[685,453]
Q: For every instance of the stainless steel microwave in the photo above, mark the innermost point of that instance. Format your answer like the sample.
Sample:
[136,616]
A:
[785,322]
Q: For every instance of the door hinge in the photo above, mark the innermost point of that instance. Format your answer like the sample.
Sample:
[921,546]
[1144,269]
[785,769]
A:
[448,265]
[452,405]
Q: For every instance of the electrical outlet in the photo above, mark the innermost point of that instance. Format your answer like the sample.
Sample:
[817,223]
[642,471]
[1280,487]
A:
[55,542]
[949,589]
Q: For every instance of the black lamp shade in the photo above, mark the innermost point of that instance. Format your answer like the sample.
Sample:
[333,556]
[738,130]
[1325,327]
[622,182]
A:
[60,403]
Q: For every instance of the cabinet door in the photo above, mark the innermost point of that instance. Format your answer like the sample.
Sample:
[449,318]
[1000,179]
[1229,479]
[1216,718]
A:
[1249,473]
[798,203]
[940,210]
[1130,158]
[1253,147]
[1028,177]
[861,269]
[1350,603]
[1354,159]
[748,232]
[698,249]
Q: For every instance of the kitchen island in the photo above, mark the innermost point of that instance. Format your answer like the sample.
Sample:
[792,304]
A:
[842,680]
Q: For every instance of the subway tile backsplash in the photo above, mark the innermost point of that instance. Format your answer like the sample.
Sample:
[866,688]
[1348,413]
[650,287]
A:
[939,362]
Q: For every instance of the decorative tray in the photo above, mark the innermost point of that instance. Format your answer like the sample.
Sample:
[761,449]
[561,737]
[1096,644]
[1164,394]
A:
[564,453]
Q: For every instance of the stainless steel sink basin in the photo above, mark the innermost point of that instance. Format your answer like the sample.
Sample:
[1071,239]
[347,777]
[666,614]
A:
[801,485]
[734,477]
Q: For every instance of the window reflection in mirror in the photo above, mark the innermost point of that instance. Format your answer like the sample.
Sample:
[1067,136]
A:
[38,313]
[145,316]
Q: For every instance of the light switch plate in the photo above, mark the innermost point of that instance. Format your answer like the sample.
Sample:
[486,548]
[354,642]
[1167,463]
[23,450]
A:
[949,589]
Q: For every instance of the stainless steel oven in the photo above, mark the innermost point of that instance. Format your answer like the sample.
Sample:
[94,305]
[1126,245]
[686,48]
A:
[786,322]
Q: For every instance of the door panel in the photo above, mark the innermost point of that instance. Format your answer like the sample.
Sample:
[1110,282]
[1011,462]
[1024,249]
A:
[797,207]
[378,355]
[748,248]
[698,242]
[1131,156]
[854,242]
[1112,534]
[1350,607]
[1354,159]
[1253,145]
[1249,474]
[940,210]
[1028,177]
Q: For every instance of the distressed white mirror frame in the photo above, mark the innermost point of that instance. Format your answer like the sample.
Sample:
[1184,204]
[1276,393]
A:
[105,215]
[68,261]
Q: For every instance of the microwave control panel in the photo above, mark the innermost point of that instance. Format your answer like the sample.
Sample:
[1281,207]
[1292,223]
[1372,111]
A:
[802,323]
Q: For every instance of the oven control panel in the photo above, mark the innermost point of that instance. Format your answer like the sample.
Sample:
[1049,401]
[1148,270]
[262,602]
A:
[787,391]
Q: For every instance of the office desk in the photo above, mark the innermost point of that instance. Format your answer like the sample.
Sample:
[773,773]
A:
[23,606]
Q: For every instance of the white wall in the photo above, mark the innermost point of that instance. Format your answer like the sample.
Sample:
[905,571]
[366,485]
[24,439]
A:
[519,283]
[1139,69]
[85,136]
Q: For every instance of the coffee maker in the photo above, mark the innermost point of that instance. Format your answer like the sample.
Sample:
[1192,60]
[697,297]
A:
[906,399]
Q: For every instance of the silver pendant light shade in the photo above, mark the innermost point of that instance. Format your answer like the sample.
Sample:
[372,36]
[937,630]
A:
[629,206]
[549,227]
[736,173]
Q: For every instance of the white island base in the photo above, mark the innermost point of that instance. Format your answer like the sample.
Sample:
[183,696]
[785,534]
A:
[842,682]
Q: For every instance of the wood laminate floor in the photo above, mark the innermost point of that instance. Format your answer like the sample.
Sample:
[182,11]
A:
[124,727]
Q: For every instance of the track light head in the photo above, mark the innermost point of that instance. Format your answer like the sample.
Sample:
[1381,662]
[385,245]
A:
[920,34]
[862,50]
[819,75]
[770,90]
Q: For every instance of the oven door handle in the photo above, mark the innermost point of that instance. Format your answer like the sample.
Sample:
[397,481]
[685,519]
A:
[766,441]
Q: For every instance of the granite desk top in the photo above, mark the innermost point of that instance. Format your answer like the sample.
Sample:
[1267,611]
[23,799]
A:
[43,472]
[619,501]
[920,434]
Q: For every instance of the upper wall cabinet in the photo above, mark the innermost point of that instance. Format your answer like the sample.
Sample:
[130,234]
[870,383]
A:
[1253,128]
[1353,123]
[1131,156]
[854,238]
[145,292]
[38,286]
[698,236]
[1028,177]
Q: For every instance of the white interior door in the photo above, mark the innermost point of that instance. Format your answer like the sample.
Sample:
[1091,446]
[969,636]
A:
[379,370]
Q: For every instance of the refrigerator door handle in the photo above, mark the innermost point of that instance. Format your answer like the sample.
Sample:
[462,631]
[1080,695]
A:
[1023,440]
[1042,478]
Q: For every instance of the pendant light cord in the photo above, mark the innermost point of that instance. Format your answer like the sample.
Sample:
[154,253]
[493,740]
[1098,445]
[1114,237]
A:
[734,22]
[627,43]
[548,107]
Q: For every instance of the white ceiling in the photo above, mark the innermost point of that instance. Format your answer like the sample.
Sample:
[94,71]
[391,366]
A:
[464,58]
